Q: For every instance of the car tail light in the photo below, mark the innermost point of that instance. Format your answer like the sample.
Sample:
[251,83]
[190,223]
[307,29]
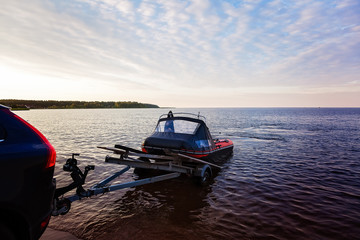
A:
[51,150]
[44,223]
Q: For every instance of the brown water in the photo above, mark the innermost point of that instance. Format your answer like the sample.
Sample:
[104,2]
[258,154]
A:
[295,174]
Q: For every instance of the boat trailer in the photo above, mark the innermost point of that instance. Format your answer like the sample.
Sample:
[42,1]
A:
[173,163]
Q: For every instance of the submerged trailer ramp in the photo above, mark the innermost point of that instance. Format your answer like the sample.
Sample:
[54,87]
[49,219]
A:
[174,163]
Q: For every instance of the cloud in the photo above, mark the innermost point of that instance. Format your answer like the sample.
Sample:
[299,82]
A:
[178,46]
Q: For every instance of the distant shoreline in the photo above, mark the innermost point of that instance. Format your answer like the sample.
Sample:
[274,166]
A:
[52,104]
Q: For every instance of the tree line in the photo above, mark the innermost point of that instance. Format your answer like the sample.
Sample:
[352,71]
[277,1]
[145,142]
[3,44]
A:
[52,104]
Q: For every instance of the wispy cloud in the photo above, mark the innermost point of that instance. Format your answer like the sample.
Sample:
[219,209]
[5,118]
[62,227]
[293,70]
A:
[153,48]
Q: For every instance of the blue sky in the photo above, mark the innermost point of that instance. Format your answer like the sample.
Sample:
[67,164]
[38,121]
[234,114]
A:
[183,53]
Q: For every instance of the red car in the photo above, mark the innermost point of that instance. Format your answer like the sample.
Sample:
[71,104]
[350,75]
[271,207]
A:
[27,162]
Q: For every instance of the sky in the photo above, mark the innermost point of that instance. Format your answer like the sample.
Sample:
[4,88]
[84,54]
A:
[196,53]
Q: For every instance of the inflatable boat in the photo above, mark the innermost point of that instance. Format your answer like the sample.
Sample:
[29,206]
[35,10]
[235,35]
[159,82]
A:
[187,134]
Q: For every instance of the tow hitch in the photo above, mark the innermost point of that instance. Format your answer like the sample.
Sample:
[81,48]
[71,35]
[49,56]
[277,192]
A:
[63,205]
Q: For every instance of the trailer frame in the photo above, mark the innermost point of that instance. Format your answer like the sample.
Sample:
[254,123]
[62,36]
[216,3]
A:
[173,163]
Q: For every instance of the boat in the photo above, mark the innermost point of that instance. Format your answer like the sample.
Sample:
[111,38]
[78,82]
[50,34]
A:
[187,134]
[180,145]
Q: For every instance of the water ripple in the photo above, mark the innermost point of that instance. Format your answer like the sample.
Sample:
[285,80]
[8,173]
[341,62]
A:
[294,174]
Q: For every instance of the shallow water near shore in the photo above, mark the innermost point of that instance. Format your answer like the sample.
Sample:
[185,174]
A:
[294,174]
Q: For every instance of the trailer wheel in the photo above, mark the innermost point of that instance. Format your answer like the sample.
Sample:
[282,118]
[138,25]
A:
[205,177]
[64,205]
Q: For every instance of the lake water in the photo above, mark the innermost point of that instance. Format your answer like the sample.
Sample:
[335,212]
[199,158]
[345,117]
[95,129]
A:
[294,174]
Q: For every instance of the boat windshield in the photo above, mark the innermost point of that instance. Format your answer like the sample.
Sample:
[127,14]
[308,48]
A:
[177,126]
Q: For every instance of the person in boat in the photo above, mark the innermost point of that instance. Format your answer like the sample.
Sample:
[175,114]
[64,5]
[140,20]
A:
[169,124]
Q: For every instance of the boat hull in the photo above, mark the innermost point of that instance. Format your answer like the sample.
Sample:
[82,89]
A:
[222,149]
